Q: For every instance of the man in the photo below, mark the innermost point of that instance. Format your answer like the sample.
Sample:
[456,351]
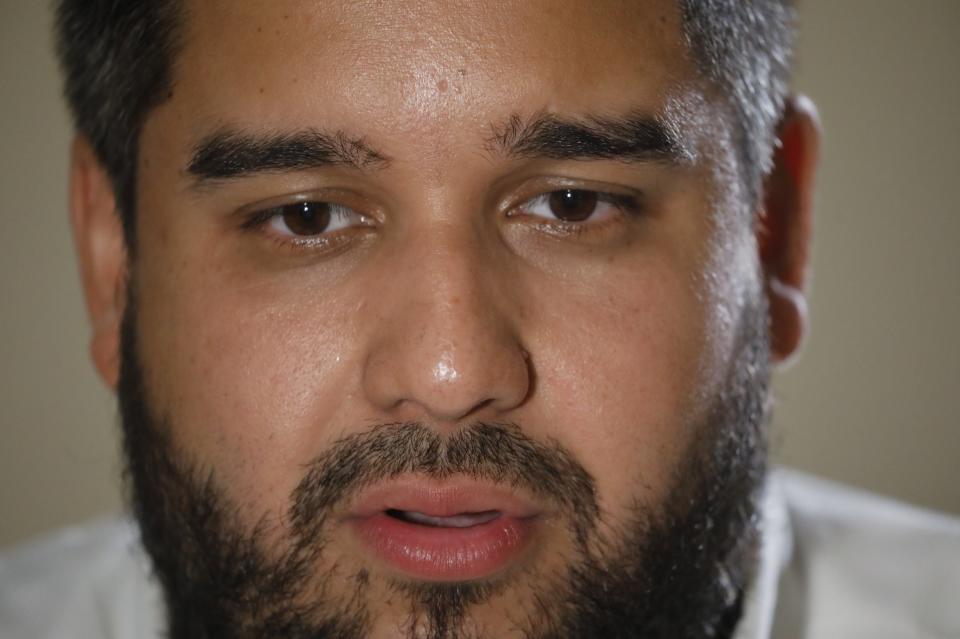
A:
[455,320]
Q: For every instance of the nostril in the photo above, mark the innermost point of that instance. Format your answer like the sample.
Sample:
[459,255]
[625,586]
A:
[447,374]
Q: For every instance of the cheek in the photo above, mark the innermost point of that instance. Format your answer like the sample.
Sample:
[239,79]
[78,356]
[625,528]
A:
[624,370]
[243,369]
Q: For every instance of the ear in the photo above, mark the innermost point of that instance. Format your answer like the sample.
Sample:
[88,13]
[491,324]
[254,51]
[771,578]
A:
[101,251]
[784,229]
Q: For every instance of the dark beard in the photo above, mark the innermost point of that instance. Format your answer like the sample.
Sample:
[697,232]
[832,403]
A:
[675,574]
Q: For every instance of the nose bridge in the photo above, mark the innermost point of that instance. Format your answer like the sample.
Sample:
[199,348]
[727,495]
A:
[448,349]
[453,290]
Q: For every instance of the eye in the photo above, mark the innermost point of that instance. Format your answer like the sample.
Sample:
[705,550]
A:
[309,218]
[577,205]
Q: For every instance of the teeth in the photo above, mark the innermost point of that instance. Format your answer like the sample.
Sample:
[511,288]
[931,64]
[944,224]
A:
[463,520]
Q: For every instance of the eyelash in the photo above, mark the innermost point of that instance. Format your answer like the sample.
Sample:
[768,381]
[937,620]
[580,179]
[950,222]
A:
[259,219]
[626,206]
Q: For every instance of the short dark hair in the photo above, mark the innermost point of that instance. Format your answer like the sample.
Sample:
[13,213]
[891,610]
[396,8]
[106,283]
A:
[745,48]
[117,57]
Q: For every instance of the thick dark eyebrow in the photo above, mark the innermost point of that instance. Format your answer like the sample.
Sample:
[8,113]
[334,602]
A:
[229,153]
[631,138]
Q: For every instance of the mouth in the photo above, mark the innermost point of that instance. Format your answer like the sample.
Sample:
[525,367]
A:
[463,520]
[444,531]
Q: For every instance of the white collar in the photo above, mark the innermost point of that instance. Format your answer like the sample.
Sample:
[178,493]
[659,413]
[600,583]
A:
[776,547]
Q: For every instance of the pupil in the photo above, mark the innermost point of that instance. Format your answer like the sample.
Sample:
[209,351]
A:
[307,218]
[572,205]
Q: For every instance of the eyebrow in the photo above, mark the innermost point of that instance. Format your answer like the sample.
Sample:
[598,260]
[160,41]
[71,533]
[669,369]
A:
[632,138]
[229,153]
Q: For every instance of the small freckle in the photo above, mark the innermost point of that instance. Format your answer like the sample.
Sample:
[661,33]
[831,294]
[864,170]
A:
[442,86]
[259,29]
[261,90]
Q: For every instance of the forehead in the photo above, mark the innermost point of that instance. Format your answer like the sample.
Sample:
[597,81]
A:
[424,67]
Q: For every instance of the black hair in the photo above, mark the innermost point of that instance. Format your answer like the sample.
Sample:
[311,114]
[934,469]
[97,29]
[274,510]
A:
[118,56]
[745,48]
[117,59]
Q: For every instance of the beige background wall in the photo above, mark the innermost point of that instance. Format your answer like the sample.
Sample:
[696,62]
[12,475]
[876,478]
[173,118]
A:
[873,400]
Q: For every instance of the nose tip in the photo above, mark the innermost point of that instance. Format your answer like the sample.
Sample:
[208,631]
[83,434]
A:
[446,345]
[449,380]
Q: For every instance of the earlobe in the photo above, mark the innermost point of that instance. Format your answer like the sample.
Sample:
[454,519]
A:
[101,252]
[785,226]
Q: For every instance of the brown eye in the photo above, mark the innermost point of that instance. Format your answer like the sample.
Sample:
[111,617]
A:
[579,206]
[305,218]
[309,218]
[572,205]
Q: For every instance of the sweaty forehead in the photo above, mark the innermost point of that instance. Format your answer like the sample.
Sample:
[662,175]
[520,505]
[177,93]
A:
[424,66]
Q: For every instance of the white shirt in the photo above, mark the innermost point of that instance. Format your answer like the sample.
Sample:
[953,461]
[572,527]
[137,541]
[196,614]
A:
[835,564]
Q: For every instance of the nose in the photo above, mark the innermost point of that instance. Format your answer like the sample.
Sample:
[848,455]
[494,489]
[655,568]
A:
[446,346]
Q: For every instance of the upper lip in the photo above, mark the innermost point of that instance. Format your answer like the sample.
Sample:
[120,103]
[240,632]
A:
[441,498]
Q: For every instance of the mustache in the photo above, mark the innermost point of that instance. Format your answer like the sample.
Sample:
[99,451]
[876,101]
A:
[500,453]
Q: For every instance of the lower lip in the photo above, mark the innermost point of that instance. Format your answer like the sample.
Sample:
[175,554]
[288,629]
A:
[446,554]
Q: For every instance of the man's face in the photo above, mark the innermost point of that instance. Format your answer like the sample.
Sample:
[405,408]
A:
[378,243]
